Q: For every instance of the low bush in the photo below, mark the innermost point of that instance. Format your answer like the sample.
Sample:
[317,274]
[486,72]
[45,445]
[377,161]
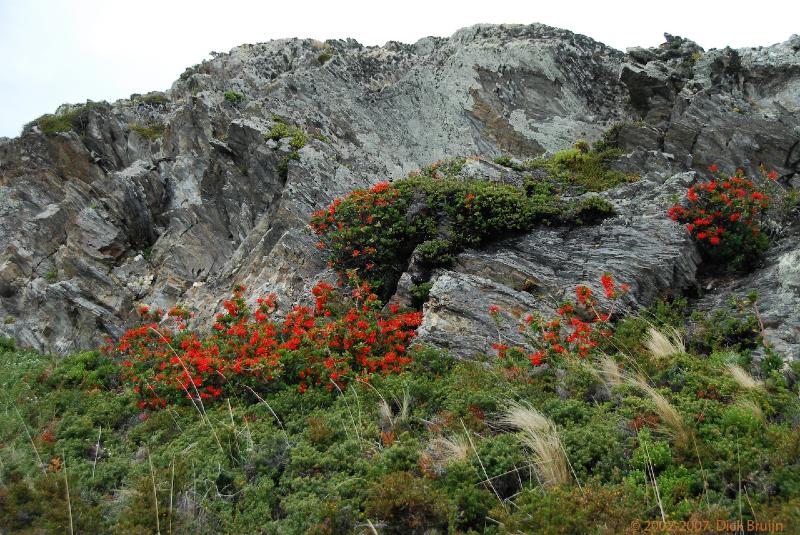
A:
[233,97]
[337,341]
[150,131]
[374,231]
[726,217]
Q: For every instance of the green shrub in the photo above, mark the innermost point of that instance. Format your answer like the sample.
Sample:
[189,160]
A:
[609,139]
[371,231]
[51,124]
[592,209]
[583,171]
[726,217]
[299,139]
[596,449]
[151,131]
[233,97]
[283,164]
[419,293]
[600,510]
[73,120]
[7,345]
[408,504]
[507,161]
[152,99]
[581,145]
[435,253]
[504,461]
[734,327]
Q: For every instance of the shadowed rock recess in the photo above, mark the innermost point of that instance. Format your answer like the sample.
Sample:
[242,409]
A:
[176,196]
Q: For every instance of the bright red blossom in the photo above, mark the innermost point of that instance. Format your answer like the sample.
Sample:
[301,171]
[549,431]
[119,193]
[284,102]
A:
[249,350]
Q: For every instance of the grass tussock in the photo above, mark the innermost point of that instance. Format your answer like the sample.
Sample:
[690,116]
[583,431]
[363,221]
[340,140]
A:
[671,420]
[451,449]
[662,344]
[742,377]
[540,436]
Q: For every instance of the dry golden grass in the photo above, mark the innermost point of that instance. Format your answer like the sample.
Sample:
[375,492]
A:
[387,417]
[663,344]
[609,372]
[525,418]
[744,379]
[540,436]
[451,449]
[671,419]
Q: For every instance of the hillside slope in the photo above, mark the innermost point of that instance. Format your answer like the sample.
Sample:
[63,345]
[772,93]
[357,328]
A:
[177,196]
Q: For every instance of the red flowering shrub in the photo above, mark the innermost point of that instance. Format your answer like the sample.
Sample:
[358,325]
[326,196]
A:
[338,340]
[373,231]
[726,216]
[367,230]
[577,329]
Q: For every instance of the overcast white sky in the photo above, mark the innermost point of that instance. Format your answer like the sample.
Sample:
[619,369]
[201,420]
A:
[55,51]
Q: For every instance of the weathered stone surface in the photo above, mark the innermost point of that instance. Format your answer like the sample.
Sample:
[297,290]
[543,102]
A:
[777,285]
[97,220]
[537,271]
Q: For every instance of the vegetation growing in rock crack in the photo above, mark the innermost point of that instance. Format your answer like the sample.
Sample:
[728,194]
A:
[728,217]
[437,213]
[150,131]
[578,169]
[233,97]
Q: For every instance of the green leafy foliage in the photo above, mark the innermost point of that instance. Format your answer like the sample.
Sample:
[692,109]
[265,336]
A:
[726,216]
[280,130]
[592,209]
[75,119]
[150,131]
[233,97]
[375,231]
[153,99]
[285,446]
[324,462]
[581,170]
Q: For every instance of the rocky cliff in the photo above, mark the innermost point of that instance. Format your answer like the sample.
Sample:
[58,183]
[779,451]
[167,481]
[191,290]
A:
[176,196]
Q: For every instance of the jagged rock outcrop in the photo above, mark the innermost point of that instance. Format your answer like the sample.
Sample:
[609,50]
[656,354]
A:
[177,196]
[537,271]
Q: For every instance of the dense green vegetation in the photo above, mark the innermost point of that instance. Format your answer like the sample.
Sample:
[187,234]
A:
[669,416]
[151,131]
[73,120]
[152,99]
[424,451]
[578,169]
[437,213]
[233,97]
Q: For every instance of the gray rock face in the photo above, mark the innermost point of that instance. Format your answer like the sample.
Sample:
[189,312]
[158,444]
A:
[175,197]
[536,272]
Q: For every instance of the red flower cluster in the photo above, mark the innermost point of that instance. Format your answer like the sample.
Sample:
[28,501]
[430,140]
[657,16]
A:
[340,339]
[566,334]
[724,215]
[360,231]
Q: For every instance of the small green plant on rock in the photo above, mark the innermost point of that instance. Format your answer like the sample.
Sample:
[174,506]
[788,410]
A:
[592,209]
[233,97]
[151,131]
[280,130]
